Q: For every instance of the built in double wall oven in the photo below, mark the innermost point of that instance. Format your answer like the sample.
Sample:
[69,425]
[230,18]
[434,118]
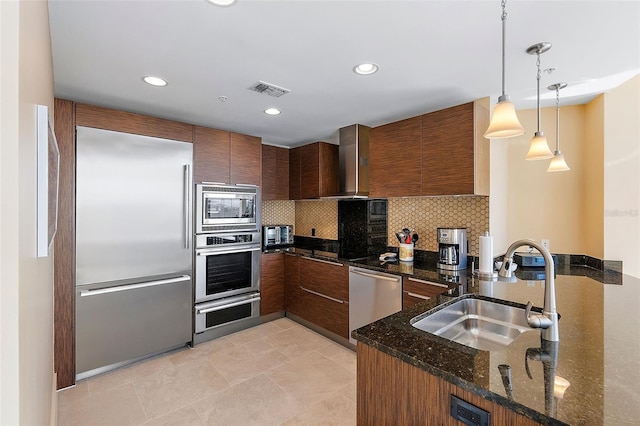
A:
[227,259]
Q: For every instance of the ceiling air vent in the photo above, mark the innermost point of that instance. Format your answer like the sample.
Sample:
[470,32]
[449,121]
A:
[269,89]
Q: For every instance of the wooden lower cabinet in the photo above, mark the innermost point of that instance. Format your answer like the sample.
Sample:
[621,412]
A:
[392,392]
[416,291]
[318,291]
[271,283]
[292,283]
[329,314]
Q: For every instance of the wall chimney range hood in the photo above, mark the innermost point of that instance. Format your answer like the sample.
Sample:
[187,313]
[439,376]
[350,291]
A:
[354,162]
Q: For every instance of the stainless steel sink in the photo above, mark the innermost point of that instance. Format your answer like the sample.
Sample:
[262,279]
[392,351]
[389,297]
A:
[480,324]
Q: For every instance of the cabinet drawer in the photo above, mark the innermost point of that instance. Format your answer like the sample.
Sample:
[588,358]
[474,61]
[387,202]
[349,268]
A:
[416,291]
[329,278]
[332,315]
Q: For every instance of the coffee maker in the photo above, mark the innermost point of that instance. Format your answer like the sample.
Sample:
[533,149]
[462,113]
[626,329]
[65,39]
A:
[452,248]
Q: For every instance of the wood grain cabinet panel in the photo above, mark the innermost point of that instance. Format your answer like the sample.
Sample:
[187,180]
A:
[211,151]
[275,173]
[395,159]
[392,392]
[245,159]
[448,151]
[292,283]
[326,313]
[416,291]
[313,171]
[330,279]
[294,174]
[224,157]
[271,283]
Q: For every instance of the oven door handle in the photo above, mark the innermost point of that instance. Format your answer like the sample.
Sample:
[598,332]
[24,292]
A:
[239,249]
[221,306]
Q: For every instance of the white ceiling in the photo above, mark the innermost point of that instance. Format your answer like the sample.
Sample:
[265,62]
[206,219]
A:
[432,54]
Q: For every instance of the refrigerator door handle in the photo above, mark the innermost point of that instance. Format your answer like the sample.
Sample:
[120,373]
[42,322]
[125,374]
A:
[187,204]
[95,292]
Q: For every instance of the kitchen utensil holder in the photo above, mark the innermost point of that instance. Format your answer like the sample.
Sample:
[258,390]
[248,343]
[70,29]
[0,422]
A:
[406,252]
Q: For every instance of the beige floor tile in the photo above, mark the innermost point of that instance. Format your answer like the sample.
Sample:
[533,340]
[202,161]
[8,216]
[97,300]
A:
[285,323]
[239,363]
[340,355]
[177,387]
[73,394]
[117,406]
[257,401]
[128,374]
[180,356]
[182,417]
[311,378]
[333,411]
[253,333]
[296,341]
[349,391]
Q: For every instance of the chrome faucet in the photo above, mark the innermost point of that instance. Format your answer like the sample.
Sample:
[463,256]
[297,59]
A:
[548,320]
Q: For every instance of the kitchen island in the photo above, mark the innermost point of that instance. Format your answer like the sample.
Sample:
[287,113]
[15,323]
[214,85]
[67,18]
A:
[406,376]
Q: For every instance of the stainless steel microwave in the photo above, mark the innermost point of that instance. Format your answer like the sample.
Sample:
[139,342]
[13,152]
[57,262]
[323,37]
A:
[225,207]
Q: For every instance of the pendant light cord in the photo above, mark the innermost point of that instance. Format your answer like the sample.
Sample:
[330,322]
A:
[504,36]
[538,79]
[557,119]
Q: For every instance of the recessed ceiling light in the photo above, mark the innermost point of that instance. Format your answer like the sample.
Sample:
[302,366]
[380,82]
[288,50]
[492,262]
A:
[155,81]
[272,111]
[365,69]
[223,3]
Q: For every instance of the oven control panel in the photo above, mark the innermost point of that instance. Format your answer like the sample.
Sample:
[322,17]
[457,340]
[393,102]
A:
[213,240]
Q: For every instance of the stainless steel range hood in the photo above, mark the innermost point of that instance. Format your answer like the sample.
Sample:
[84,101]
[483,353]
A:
[354,162]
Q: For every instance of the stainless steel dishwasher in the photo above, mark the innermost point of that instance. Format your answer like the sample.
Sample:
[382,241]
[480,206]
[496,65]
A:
[372,295]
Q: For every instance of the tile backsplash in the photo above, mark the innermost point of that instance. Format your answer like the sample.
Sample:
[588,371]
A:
[280,212]
[320,215]
[425,214]
[422,214]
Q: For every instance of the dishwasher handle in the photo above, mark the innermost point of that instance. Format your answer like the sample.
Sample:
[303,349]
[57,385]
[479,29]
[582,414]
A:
[116,289]
[375,276]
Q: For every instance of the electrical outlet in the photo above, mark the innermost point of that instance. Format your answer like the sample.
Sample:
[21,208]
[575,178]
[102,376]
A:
[545,244]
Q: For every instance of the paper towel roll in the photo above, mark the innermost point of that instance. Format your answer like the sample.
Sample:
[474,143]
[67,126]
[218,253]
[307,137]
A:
[486,254]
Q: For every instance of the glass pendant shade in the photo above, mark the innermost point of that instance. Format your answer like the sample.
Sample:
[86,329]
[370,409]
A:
[557,163]
[539,148]
[504,123]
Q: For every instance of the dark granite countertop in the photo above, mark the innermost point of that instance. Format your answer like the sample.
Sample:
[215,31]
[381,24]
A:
[598,352]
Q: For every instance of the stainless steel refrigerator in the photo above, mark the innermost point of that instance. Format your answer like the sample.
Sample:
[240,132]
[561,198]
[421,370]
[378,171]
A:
[133,248]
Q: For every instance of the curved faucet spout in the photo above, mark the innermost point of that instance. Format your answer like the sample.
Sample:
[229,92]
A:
[548,320]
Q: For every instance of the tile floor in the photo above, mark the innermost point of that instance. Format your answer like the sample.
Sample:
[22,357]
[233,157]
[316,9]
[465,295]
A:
[278,373]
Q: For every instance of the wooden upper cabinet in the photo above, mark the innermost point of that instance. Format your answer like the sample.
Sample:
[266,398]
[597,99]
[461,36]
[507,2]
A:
[275,173]
[211,151]
[395,159]
[294,174]
[246,159]
[455,155]
[313,171]
[220,156]
[447,151]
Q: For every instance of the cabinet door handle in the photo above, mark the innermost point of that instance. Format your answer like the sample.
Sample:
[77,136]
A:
[187,205]
[428,282]
[321,295]
[417,296]
[116,289]
[376,276]
[324,261]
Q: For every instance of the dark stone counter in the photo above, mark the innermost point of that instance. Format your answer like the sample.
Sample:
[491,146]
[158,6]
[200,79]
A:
[598,353]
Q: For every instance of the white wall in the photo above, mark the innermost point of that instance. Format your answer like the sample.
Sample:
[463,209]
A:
[622,175]
[26,289]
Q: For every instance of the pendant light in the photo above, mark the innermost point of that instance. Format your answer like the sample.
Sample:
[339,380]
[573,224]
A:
[539,149]
[557,163]
[504,123]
